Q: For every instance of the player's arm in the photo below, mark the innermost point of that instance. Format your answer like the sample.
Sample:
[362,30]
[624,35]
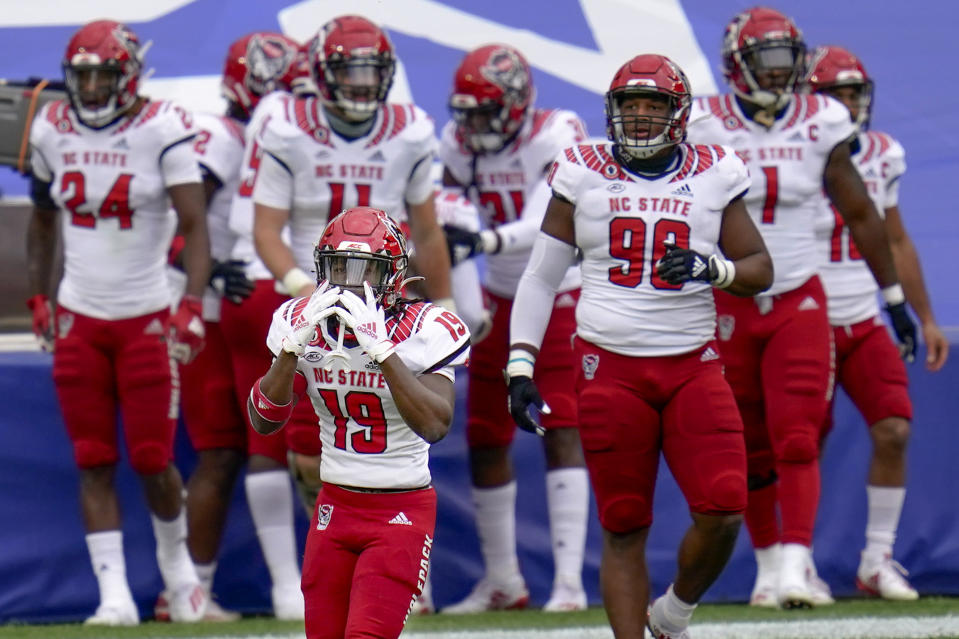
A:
[188,200]
[741,242]
[910,272]
[270,403]
[41,248]
[425,402]
[432,255]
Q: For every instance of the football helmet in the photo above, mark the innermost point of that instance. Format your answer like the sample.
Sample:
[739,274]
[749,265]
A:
[492,93]
[833,67]
[101,70]
[359,245]
[257,64]
[646,76]
[763,55]
[352,63]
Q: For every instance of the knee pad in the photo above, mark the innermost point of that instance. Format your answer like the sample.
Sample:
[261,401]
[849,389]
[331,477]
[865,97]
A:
[90,454]
[798,448]
[149,458]
[625,514]
[727,494]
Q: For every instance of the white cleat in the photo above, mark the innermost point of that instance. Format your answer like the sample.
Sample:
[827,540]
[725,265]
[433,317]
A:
[488,595]
[188,603]
[794,587]
[288,602]
[567,596]
[214,611]
[821,592]
[886,579]
[765,593]
[114,614]
[656,624]
[422,606]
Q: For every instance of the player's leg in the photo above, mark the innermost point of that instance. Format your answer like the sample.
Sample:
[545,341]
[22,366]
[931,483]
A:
[567,484]
[218,433]
[620,435]
[147,386]
[83,377]
[489,433]
[875,379]
[703,445]
[267,482]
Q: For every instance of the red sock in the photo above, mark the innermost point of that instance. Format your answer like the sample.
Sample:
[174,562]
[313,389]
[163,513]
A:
[761,520]
[798,501]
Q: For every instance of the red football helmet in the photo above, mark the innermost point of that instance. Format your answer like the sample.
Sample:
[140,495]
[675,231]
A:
[492,93]
[644,76]
[257,64]
[363,244]
[352,63]
[101,70]
[833,67]
[763,56]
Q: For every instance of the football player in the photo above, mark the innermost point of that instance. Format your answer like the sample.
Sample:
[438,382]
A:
[495,153]
[868,365]
[777,349]
[105,166]
[378,369]
[659,224]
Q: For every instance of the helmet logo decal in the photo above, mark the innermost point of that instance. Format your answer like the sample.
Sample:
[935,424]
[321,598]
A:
[505,70]
[266,60]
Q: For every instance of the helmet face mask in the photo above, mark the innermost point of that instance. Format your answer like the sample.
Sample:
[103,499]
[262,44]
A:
[837,72]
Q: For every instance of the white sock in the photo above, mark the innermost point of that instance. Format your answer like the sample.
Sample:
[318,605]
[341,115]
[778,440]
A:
[173,557]
[496,526]
[676,611]
[109,566]
[567,495]
[885,507]
[205,572]
[270,498]
[768,559]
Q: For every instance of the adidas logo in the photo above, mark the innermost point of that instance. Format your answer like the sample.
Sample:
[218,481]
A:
[516,164]
[683,191]
[808,304]
[377,157]
[796,137]
[709,355]
[565,300]
[870,173]
[367,329]
[401,519]
[121,144]
[155,327]
[262,405]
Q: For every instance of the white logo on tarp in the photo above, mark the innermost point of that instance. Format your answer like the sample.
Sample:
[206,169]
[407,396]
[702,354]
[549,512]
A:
[323,515]
[590,364]
[726,324]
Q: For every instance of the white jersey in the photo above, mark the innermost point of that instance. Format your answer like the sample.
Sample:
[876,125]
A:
[786,163]
[365,441]
[322,174]
[850,286]
[110,185]
[621,223]
[504,183]
[241,207]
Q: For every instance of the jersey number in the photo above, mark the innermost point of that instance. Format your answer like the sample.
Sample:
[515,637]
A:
[627,241]
[337,191]
[452,324]
[841,237]
[771,173]
[115,204]
[493,201]
[364,408]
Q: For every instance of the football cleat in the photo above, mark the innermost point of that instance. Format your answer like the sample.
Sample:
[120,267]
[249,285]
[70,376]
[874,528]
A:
[821,592]
[886,579]
[188,603]
[114,614]
[488,595]
[288,602]
[655,622]
[794,587]
[567,596]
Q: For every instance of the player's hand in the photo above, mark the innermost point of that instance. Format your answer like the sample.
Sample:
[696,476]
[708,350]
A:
[319,307]
[462,244]
[185,329]
[42,321]
[367,320]
[230,279]
[937,346]
[905,330]
[522,394]
[681,265]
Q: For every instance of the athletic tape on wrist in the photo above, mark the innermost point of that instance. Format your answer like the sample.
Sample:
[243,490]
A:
[893,295]
[266,408]
[520,364]
[725,271]
[295,279]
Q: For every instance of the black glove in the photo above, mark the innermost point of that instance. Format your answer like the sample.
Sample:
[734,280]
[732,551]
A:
[463,244]
[232,278]
[522,393]
[682,265]
[905,330]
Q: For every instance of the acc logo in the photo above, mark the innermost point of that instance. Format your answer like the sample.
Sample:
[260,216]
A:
[616,187]
[726,325]
[590,364]
[323,515]
[313,356]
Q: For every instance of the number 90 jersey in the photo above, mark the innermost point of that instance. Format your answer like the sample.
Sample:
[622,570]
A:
[366,443]
[786,163]
[111,186]
[622,222]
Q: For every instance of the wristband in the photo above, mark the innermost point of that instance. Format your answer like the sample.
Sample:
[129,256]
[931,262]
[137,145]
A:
[295,279]
[447,303]
[266,408]
[381,350]
[893,295]
[725,271]
[491,241]
[520,364]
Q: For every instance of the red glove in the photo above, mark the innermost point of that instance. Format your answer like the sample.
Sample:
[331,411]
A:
[185,329]
[42,321]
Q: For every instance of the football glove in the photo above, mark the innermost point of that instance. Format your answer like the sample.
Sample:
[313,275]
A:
[229,278]
[905,330]
[368,323]
[465,244]
[42,321]
[523,392]
[319,307]
[681,265]
[185,329]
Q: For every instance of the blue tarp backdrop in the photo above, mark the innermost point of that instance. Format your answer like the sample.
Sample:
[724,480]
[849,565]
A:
[574,47]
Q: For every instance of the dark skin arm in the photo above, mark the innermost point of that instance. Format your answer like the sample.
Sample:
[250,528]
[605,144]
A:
[425,402]
[740,241]
[41,245]
[277,386]
[907,265]
[845,188]
[189,202]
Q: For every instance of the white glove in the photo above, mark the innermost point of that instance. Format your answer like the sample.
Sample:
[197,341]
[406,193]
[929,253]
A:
[368,323]
[319,307]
